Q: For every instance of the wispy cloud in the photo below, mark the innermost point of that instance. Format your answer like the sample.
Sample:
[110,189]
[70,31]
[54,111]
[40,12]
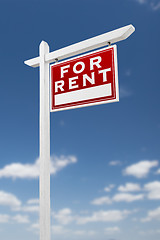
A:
[84,233]
[158,171]
[155,6]
[21,218]
[33,201]
[109,188]
[4,218]
[127,197]
[140,169]
[64,216]
[128,73]
[58,229]
[153,189]
[129,187]
[9,199]
[27,208]
[124,92]
[34,227]
[112,230]
[115,163]
[152,4]
[61,230]
[101,201]
[119,197]
[32,206]
[152,215]
[104,216]
[62,123]
[150,232]
[30,171]
[123,194]
[141,1]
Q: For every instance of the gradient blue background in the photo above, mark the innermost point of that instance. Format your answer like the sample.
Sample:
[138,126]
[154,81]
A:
[127,132]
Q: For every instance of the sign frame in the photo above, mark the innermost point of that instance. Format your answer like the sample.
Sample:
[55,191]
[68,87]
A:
[114,47]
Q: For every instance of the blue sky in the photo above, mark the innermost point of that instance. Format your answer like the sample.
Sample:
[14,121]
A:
[105,160]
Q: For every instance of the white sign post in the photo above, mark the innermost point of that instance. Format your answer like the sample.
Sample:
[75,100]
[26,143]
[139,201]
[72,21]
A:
[44,179]
[46,57]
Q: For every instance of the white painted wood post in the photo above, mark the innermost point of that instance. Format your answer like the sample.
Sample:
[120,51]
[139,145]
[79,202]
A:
[44,179]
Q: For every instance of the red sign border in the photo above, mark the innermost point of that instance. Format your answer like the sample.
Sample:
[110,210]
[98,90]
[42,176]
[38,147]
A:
[98,102]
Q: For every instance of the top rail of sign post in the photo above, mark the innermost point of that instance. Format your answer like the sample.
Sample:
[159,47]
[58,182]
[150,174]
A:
[84,46]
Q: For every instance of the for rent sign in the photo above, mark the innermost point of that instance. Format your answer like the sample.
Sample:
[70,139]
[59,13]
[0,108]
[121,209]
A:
[86,80]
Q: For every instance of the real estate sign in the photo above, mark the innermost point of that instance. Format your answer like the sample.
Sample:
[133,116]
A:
[85,80]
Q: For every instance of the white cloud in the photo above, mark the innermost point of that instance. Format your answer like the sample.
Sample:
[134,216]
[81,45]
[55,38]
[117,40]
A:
[158,171]
[140,169]
[61,123]
[109,188]
[21,219]
[124,92]
[19,170]
[124,196]
[64,216]
[4,218]
[83,232]
[80,232]
[32,206]
[128,73]
[33,201]
[153,4]
[151,232]
[61,230]
[8,199]
[115,163]
[58,229]
[35,226]
[58,163]
[101,201]
[153,189]
[104,216]
[91,233]
[129,187]
[152,215]
[127,197]
[30,209]
[112,230]
[141,1]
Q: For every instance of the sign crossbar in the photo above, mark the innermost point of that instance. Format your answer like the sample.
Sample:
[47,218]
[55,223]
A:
[84,46]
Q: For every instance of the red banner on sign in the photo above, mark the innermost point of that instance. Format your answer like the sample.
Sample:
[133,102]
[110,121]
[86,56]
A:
[86,80]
